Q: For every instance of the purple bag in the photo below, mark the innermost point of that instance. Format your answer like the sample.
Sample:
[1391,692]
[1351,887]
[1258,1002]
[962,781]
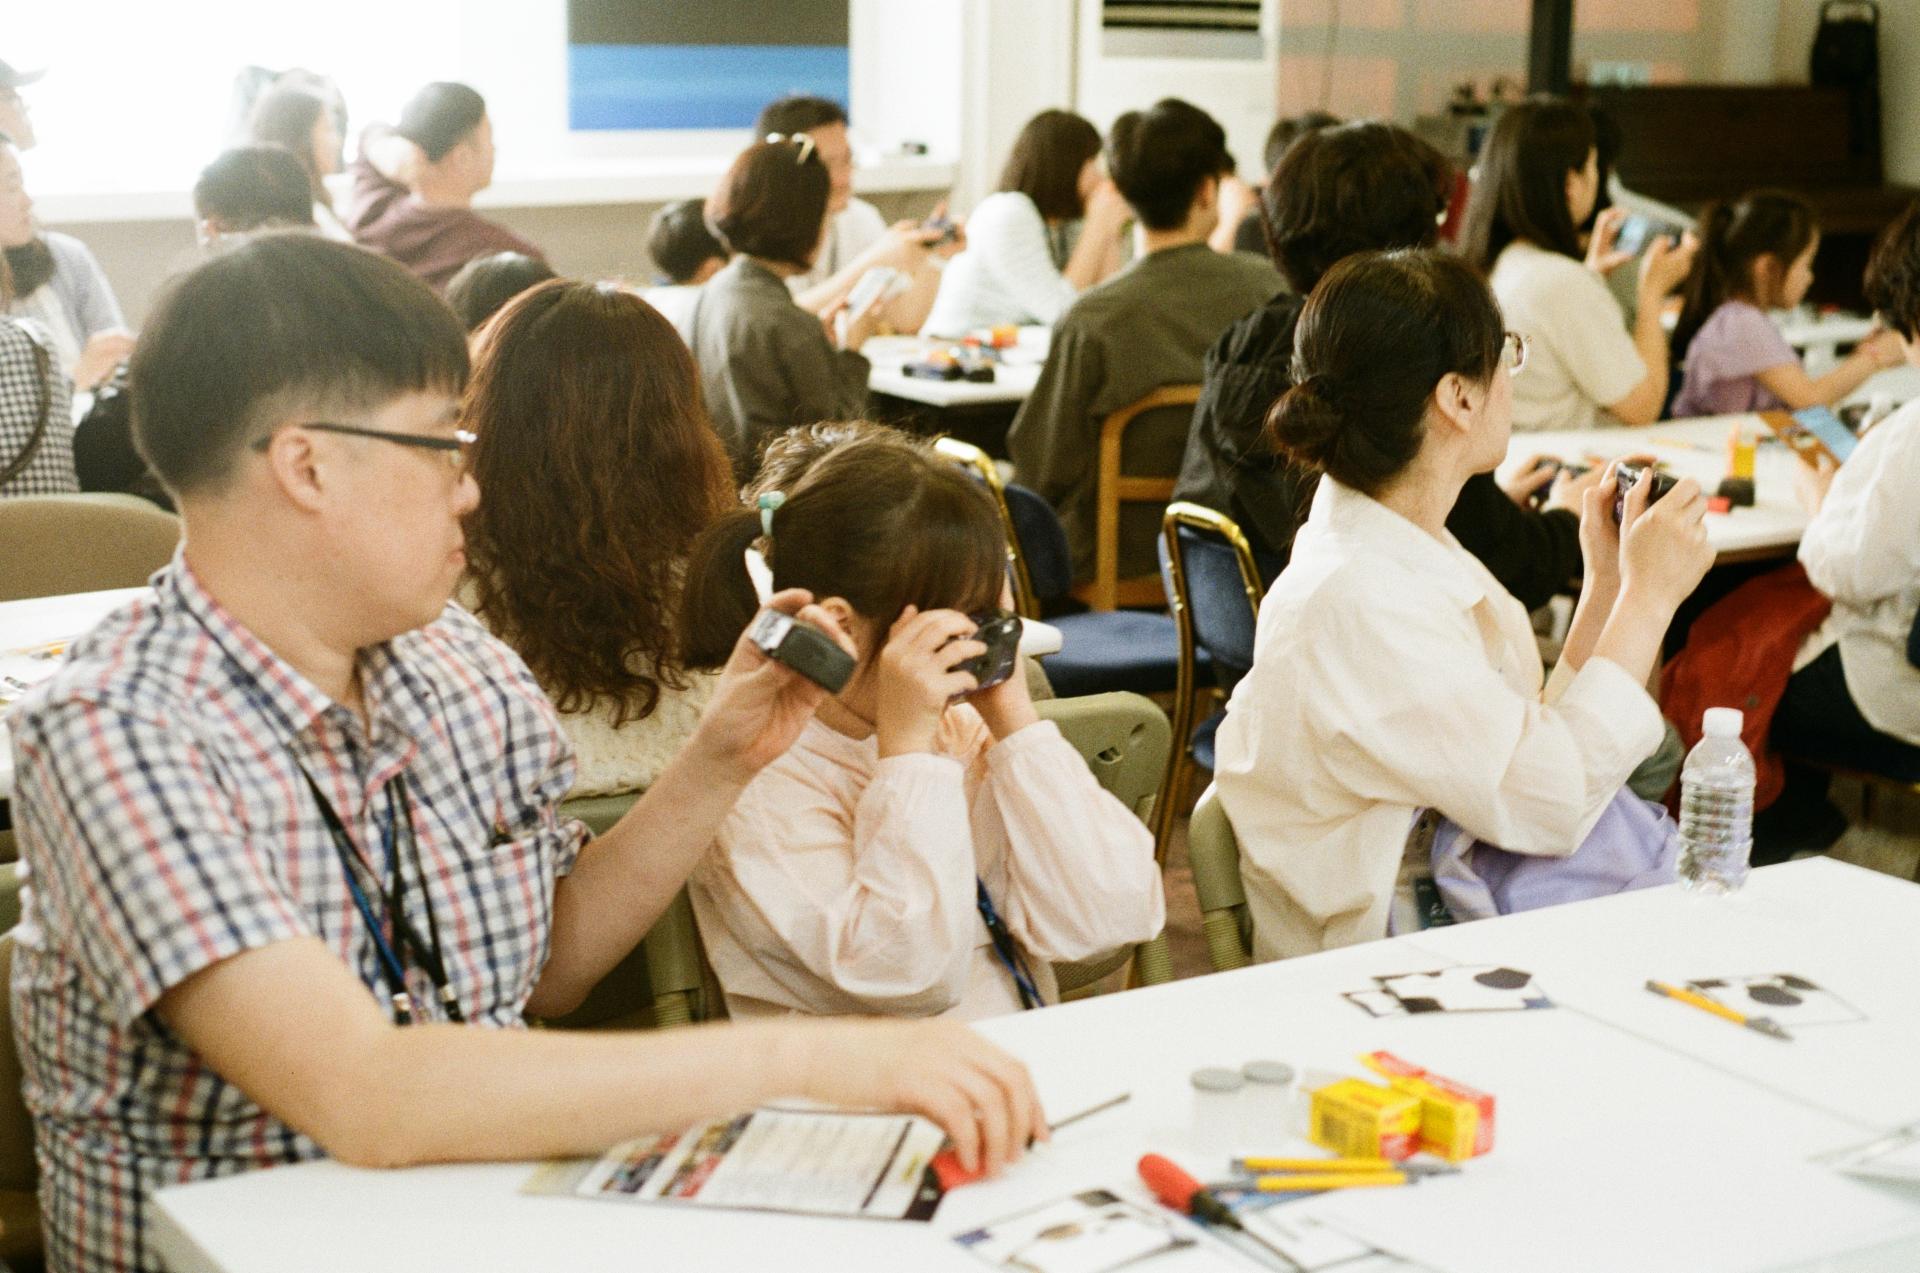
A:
[1635,844]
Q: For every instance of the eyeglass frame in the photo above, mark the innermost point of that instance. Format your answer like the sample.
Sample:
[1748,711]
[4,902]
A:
[808,147]
[457,445]
[1519,345]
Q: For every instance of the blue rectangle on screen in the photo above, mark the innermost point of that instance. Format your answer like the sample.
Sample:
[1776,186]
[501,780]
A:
[613,86]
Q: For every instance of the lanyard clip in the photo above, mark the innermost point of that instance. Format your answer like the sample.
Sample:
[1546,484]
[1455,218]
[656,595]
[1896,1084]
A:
[402,1008]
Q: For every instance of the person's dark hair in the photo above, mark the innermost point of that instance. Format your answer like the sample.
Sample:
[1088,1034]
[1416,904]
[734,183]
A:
[1520,182]
[598,468]
[285,326]
[796,115]
[31,264]
[789,456]
[1373,342]
[1046,160]
[1893,274]
[1351,188]
[440,117]
[772,203]
[285,117]
[1289,129]
[249,187]
[1159,158]
[1733,237]
[486,283]
[883,526]
[1608,138]
[679,241]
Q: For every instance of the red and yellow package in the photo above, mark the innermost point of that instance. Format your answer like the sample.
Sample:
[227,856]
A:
[1456,1121]
[1358,1119]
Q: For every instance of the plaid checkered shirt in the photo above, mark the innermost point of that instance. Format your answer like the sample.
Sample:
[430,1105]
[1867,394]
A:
[166,825]
[22,396]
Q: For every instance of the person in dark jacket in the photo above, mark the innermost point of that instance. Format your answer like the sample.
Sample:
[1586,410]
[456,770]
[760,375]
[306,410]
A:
[1338,191]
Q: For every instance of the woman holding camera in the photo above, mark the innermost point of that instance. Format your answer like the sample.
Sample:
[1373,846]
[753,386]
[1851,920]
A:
[929,845]
[1392,673]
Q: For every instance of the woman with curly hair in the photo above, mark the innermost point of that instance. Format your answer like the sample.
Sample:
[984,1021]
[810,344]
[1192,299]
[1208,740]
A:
[598,467]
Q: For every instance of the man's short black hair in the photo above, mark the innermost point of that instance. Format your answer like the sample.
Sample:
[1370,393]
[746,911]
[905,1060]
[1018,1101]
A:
[288,326]
[679,241]
[796,115]
[1159,158]
[253,186]
[1354,188]
[484,285]
[440,117]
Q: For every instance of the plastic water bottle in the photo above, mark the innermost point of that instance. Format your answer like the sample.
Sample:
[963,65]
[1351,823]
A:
[1716,806]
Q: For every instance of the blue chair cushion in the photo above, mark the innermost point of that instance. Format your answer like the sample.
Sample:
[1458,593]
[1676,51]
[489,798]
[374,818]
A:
[1203,739]
[1116,650]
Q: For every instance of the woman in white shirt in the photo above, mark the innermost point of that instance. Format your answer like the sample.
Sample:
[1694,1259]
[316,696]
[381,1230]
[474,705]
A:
[1854,698]
[1017,267]
[1392,673]
[1537,179]
[929,846]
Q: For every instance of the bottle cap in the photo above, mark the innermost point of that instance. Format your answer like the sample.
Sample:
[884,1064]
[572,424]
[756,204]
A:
[1723,722]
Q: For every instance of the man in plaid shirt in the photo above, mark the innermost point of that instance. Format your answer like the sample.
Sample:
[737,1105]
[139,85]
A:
[293,800]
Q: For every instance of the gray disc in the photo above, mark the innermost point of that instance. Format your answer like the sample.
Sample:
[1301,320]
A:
[1277,1073]
[1215,1079]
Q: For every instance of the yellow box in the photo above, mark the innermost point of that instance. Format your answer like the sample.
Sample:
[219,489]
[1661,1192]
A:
[1456,1121]
[1358,1119]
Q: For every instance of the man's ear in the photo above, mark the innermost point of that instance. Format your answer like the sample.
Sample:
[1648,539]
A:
[297,465]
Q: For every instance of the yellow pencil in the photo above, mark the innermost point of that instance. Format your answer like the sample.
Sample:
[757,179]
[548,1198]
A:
[1306,1180]
[1705,1004]
[1255,1165]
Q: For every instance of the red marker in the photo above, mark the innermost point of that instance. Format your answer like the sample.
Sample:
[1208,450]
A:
[1183,1193]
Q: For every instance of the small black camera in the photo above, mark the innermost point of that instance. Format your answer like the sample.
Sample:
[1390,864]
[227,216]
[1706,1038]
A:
[1627,476]
[802,647]
[1000,631]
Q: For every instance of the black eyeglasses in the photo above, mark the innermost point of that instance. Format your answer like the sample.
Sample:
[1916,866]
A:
[455,447]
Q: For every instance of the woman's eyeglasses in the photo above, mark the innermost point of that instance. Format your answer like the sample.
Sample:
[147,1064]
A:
[803,140]
[1514,351]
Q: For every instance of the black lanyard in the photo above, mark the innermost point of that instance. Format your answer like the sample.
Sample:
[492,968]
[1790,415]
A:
[1004,947]
[427,954]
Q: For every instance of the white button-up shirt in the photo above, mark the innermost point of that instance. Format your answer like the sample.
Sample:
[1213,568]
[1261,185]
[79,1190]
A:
[1863,550]
[1392,673]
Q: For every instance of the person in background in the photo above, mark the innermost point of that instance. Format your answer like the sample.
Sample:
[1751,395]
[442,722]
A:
[36,421]
[1854,698]
[600,469]
[1536,181]
[1392,673]
[685,254]
[766,364]
[485,284]
[1248,236]
[301,123]
[1051,231]
[57,282]
[251,188]
[196,990]
[16,120]
[1148,326]
[1756,254]
[856,238]
[1340,190]
[413,186]
[926,847]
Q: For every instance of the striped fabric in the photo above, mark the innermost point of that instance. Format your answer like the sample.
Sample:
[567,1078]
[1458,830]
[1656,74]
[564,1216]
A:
[165,826]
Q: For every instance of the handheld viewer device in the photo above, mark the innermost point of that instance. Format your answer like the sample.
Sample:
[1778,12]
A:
[1000,631]
[802,647]
[1638,230]
[1627,476]
[1812,432]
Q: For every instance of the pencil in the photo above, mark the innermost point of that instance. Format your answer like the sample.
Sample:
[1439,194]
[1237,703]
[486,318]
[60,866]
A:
[1254,1166]
[1301,1182]
[1700,1001]
[1091,1110]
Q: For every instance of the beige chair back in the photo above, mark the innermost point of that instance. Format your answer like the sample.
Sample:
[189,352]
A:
[1214,853]
[51,545]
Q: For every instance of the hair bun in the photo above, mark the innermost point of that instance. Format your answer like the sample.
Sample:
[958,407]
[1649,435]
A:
[1305,425]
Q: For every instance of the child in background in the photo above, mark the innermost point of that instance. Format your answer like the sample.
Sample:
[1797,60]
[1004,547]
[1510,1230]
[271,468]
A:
[926,847]
[1756,254]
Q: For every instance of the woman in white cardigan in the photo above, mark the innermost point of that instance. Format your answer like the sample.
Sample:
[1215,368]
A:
[1018,266]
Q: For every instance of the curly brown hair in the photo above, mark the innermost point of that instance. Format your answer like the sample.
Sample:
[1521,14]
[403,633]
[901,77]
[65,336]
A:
[598,467]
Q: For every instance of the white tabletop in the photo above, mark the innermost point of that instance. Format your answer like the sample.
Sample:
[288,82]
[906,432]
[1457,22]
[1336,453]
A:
[1825,331]
[1013,379]
[1696,449]
[39,620]
[1630,1135]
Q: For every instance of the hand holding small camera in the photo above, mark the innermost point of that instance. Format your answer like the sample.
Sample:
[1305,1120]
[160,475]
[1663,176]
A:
[1664,553]
[919,674]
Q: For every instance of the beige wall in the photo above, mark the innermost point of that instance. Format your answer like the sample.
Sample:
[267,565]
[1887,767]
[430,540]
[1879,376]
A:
[583,241]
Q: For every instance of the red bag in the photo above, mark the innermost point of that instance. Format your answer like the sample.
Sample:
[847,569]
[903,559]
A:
[1740,654]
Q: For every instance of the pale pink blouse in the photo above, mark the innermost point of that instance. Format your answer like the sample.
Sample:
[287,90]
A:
[844,883]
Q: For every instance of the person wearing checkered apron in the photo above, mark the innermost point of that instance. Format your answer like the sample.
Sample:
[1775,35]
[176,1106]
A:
[295,874]
[36,420]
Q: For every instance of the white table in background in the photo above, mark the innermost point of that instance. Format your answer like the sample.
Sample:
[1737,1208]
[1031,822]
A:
[1821,338]
[1013,380]
[1697,449]
[38,620]
[1677,1142]
[1900,384]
